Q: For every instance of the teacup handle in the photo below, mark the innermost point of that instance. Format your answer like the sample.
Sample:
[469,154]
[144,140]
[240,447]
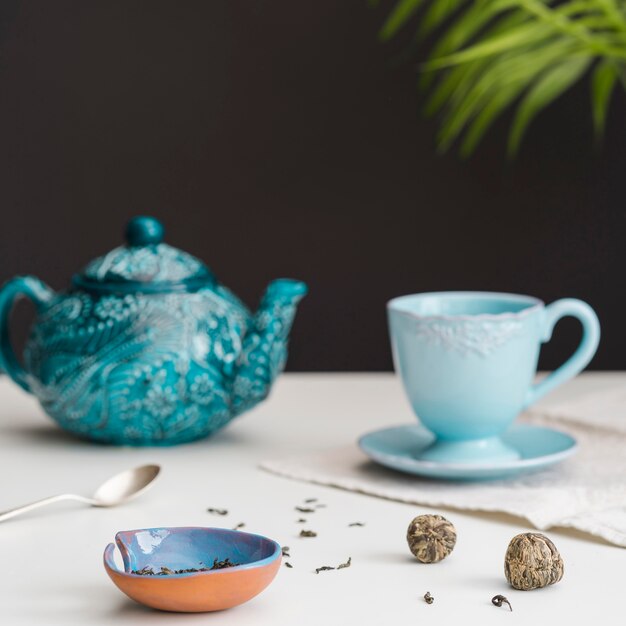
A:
[584,353]
[19,287]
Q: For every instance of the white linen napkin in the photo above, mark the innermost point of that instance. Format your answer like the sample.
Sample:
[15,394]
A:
[586,491]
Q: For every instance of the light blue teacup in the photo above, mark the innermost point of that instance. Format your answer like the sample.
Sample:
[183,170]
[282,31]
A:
[468,360]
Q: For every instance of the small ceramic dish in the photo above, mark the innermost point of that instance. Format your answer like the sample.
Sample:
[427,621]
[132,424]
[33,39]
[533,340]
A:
[258,560]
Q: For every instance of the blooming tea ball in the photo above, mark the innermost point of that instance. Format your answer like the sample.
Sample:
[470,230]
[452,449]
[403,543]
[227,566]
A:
[431,538]
[532,561]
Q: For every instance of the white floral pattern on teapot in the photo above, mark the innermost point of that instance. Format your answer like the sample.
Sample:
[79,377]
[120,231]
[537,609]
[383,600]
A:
[147,348]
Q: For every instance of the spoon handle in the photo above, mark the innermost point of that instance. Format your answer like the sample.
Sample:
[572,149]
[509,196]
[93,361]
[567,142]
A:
[39,503]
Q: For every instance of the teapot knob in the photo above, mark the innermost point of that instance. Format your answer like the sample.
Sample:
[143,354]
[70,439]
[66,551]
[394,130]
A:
[144,231]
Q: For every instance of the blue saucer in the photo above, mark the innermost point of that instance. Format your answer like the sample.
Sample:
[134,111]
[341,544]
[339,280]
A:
[399,448]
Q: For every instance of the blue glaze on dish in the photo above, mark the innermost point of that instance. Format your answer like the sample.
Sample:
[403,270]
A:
[190,547]
[468,360]
[147,348]
[402,448]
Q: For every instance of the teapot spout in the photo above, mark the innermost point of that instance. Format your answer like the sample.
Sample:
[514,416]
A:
[264,351]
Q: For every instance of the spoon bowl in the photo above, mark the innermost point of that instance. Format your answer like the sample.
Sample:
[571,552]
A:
[126,485]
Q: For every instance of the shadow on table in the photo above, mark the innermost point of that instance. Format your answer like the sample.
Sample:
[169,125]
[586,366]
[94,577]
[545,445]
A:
[49,434]
[408,561]
[40,433]
[139,614]
[513,520]
[369,467]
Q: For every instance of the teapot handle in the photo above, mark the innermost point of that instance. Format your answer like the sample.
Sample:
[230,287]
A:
[18,287]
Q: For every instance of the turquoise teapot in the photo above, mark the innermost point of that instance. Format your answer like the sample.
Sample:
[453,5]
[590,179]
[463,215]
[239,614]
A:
[146,347]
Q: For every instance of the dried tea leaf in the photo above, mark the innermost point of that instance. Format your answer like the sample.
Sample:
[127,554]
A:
[222,564]
[304,509]
[166,571]
[309,500]
[326,568]
[288,564]
[240,525]
[500,600]
[285,551]
[301,520]
[308,533]
[217,511]
[356,524]
[320,506]
[428,598]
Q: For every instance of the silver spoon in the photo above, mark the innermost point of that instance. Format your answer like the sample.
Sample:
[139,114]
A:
[116,490]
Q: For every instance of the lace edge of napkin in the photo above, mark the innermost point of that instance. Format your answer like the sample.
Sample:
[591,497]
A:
[583,523]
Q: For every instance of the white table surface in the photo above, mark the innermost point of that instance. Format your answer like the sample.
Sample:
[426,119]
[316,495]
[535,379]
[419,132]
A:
[51,570]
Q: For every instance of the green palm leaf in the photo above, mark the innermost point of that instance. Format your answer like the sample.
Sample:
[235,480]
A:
[436,14]
[403,10]
[602,84]
[550,86]
[491,56]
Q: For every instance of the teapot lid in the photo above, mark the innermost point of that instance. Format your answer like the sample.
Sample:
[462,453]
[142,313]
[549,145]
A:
[145,264]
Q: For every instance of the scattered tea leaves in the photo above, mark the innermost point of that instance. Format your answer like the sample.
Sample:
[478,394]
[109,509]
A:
[309,500]
[240,525]
[145,571]
[285,551]
[288,564]
[326,568]
[166,571]
[308,533]
[304,509]
[356,524]
[217,511]
[500,600]
[428,598]
[222,564]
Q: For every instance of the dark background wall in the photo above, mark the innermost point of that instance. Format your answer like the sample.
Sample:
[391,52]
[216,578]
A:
[276,138]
